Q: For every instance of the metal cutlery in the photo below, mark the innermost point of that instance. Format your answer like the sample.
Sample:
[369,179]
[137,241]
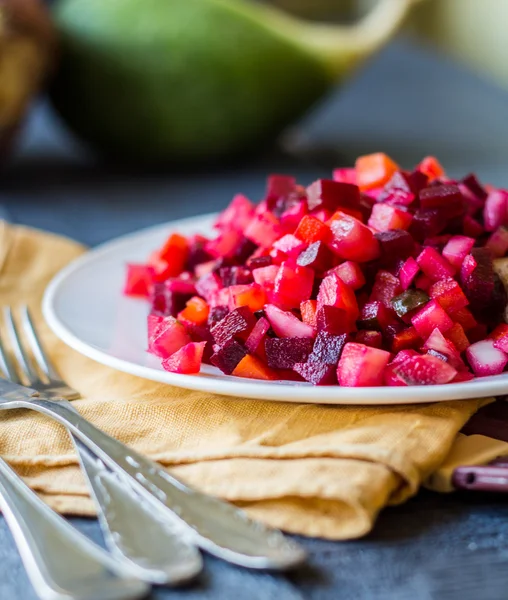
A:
[61,563]
[215,526]
[132,531]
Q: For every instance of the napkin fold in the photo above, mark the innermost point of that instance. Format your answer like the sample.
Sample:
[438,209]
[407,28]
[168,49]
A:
[323,471]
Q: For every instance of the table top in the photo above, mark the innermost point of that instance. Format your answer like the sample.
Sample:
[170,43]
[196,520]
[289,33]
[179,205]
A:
[406,102]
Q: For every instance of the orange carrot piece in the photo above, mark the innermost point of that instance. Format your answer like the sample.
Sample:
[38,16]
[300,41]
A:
[374,170]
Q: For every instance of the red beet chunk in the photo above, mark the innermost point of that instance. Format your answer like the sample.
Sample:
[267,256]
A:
[197,252]
[375,315]
[369,338]
[331,195]
[293,285]
[361,366]
[434,265]
[317,256]
[420,370]
[395,245]
[386,287]
[446,198]
[333,320]
[236,325]
[449,295]
[256,262]
[286,352]
[401,181]
[237,215]
[279,186]
[478,285]
[430,317]
[334,292]
[317,373]
[228,356]
[216,314]
[235,276]
[168,302]
[426,223]
[474,186]
[352,240]
[328,348]
[139,280]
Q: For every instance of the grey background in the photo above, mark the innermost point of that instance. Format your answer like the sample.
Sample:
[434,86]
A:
[406,102]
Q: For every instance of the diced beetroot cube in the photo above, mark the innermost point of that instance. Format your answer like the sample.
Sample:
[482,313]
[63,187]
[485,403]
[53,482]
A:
[477,333]
[257,262]
[257,335]
[220,298]
[446,198]
[352,240]
[186,360]
[278,186]
[430,317]
[265,276]
[437,343]
[474,204]
[308,311]
[385,217]
[485,359]
[317,373]
[153,321]
[422,282]
[462,376]
[317,256]
[408,272]
[471,227]
[208,285]
[351,273]
[434,265]
[449,295]
[334,292]
[285,324]
[321,215]
[328,348]
[345,175]
[386,287]
[312,230]
[228,356]
[236,325]
[399,198]
[457,336]
[235,275]
[426,223]
[498,242]
[286,352]
[465,318]
[237,215]
[495,211]
[290,245]
[403,354]
[369,338]
[168,337]
[264,229]
[479,283]
[395,245]
[406,339]
[376,315]
[252,295]
[225,244]
[293,285]
[431,167]
[422,370]
[333,320]
[330,195]
[456,250]
[292,216]
[217,313]
[139,280]
[361,366]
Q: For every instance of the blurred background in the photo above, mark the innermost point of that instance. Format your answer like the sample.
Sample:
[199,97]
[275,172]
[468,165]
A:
[138,111]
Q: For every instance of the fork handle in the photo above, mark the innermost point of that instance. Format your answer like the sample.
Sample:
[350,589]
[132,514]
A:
[62,564]
[216,526]
[132,532]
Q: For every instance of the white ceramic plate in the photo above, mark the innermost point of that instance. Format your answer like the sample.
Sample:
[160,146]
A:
[85,307]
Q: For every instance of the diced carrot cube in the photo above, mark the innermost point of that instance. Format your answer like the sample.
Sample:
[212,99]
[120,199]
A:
[253,368]
[312,230]
[196,311]
[308,310]
[374,170]
[431,167]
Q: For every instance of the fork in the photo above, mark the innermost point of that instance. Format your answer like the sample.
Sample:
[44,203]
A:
[132,532]
[61,563]
[215,526]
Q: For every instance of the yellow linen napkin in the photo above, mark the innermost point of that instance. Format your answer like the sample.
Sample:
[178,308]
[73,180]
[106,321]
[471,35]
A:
[315,470]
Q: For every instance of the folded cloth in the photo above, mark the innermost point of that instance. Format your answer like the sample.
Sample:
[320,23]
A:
[322,471]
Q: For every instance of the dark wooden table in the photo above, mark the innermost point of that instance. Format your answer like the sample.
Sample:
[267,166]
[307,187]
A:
[407,103]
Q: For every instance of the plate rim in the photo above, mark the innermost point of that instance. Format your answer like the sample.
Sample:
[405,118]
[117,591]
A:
[235,386]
